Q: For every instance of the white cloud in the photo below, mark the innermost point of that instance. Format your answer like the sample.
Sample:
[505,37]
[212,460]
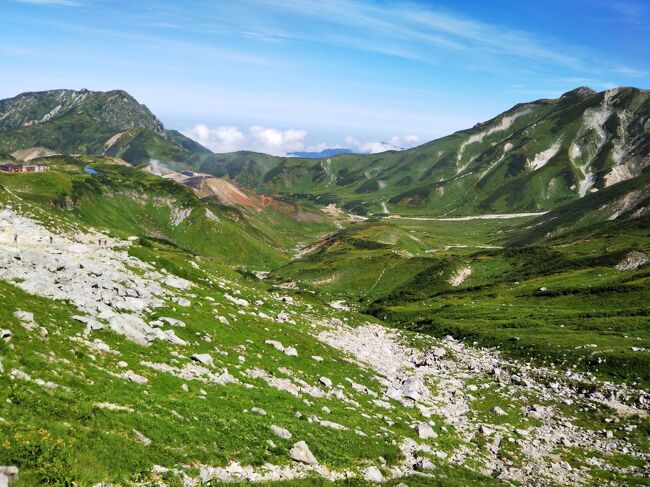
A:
[389,26]
[220,139]
[277,142]
[395,142]
[411,140]
[260,139]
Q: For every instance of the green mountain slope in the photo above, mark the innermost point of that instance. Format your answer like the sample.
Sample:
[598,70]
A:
[130,201]
[88,122]
[530,158]
[133,318]
[623,205]
[552,287]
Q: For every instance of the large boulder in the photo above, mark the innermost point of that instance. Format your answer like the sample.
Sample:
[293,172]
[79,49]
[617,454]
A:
[301,453]
[373,474]
[132,327]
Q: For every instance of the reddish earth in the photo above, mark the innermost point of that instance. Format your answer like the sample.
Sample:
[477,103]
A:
[229,194]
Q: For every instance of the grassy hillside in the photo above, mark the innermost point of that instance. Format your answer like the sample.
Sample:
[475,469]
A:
[234,371]
[530,158]
[611,210]
[129,201]
[570,287]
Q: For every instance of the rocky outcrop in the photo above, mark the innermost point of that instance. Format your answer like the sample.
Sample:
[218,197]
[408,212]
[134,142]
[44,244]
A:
[99,279]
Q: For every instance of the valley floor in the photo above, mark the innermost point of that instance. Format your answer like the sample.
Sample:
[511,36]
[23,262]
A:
[127,363]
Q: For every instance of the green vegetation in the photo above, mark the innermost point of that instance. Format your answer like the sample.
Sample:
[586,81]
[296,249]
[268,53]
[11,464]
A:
[128,201]
[558,300]
[569,288]
[109,123]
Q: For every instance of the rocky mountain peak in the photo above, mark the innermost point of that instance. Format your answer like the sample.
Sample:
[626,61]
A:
[581,92]
[115,109]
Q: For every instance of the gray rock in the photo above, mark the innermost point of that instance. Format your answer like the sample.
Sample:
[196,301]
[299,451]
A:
[332,425]
[301,453]
[177,282]
[425,431]
[91,323]
[411,388]
[8,475]
[133,377]
[24,315]
[141,438]
[172,321]
[439,352]
[424,464]
[485,430]
[291,352]
[282,317]
[283,433]
[373,474]
[275,344]
[498,411]
[132,327]
[203,358]
[183,302]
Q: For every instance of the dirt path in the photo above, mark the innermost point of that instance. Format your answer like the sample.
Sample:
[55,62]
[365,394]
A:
[494,216]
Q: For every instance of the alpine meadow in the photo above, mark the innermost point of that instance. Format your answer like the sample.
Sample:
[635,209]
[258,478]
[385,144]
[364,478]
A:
[340,267]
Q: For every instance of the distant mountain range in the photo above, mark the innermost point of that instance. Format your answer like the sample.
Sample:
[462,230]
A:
[323,153]
[533,157]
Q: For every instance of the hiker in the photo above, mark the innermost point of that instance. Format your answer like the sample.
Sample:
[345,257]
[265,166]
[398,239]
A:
[50,239]
[15,238]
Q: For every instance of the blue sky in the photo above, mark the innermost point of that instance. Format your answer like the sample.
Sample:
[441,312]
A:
[277,76]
